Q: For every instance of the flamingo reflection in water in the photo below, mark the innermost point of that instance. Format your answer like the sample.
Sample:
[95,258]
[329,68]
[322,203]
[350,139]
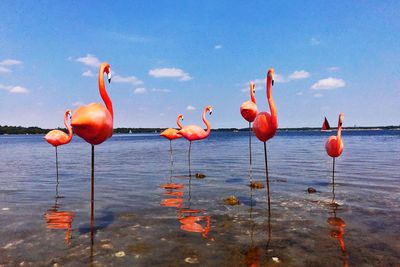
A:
[56,219]
[337,228]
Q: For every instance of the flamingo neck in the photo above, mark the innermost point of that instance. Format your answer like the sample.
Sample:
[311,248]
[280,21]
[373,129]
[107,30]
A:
[339,133]
[271,102]
[68,126]
[253,98]
[178,122]
[206,123]
[103,92]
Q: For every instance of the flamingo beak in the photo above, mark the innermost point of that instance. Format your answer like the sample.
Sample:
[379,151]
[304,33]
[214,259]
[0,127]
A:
[272,82]
[109,77]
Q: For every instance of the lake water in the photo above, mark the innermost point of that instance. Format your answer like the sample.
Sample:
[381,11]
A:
[144,216]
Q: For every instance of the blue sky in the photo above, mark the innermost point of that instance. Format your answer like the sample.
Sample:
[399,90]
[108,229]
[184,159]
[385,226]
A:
[171,57]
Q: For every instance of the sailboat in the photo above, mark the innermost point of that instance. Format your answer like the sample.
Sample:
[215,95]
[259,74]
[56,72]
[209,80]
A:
[326,126]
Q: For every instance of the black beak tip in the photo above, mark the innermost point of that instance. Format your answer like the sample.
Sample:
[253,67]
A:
[272,82]
[210,112]
[109,80]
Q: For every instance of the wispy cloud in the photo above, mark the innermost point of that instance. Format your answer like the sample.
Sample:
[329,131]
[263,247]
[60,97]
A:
[7,63]
[88,73]
[140,90]
[89,60]
[333,69]
[128,79]
[218,46]
[318,95]
[328,84]
[14,89]
[314,41]
[298,74]
[190,108]
[170,73]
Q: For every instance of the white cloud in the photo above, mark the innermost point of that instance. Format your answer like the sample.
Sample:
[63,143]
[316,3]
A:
[299,93]
[89,60]
[318,95]
[190,108]
[328,83]
[10,62]
[88,73]
[333,69]
[298,74]
[170,73]
[4,69]
[218,46]
[78,103]
[314,41]
[140,90]
[5,64]
[129,79]
[14,89]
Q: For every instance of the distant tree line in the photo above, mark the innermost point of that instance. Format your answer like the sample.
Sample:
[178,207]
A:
[37,130]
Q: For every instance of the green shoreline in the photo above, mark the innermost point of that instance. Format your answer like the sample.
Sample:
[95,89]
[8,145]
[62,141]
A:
[37,130]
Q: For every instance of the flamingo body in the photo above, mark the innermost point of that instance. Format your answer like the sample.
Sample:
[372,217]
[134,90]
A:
[264,127]
[193,133]
[56,137]
[334,147]
[93,122]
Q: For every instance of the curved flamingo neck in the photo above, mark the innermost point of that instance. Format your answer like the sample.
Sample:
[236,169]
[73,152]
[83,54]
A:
[252,96]
[206,122]
[178,122]
[102,89]
[68,126]
[271,102]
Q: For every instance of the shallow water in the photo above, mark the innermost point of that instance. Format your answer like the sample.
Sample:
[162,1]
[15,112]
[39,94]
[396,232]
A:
[138,221]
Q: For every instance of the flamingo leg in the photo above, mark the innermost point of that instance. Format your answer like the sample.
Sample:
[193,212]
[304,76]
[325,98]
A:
[267,177]
[251,176]
[92,198]
[190,147]
[333,173]
[57,164]
[170,153]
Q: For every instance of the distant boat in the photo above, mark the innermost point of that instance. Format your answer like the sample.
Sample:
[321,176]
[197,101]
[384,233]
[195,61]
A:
[326,126]
[130,131]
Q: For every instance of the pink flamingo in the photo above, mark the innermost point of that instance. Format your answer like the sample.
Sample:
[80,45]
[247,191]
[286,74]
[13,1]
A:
[194,132]
[334,145]
[94,122]
[172,134]
[249,112]
[266,124]
[57,138]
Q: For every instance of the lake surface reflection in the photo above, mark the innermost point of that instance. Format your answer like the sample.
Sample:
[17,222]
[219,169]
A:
[148,212]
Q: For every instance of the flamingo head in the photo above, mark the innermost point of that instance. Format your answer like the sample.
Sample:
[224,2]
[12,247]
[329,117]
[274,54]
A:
[253,87]
[107,69]
[209,109]
[271,74]
[69,113]
[341,116]
[180,117]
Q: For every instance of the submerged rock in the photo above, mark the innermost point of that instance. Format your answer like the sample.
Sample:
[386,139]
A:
[257,185]
[311,190]
[192,260]
[200,175]
[120,254]
[231,200]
